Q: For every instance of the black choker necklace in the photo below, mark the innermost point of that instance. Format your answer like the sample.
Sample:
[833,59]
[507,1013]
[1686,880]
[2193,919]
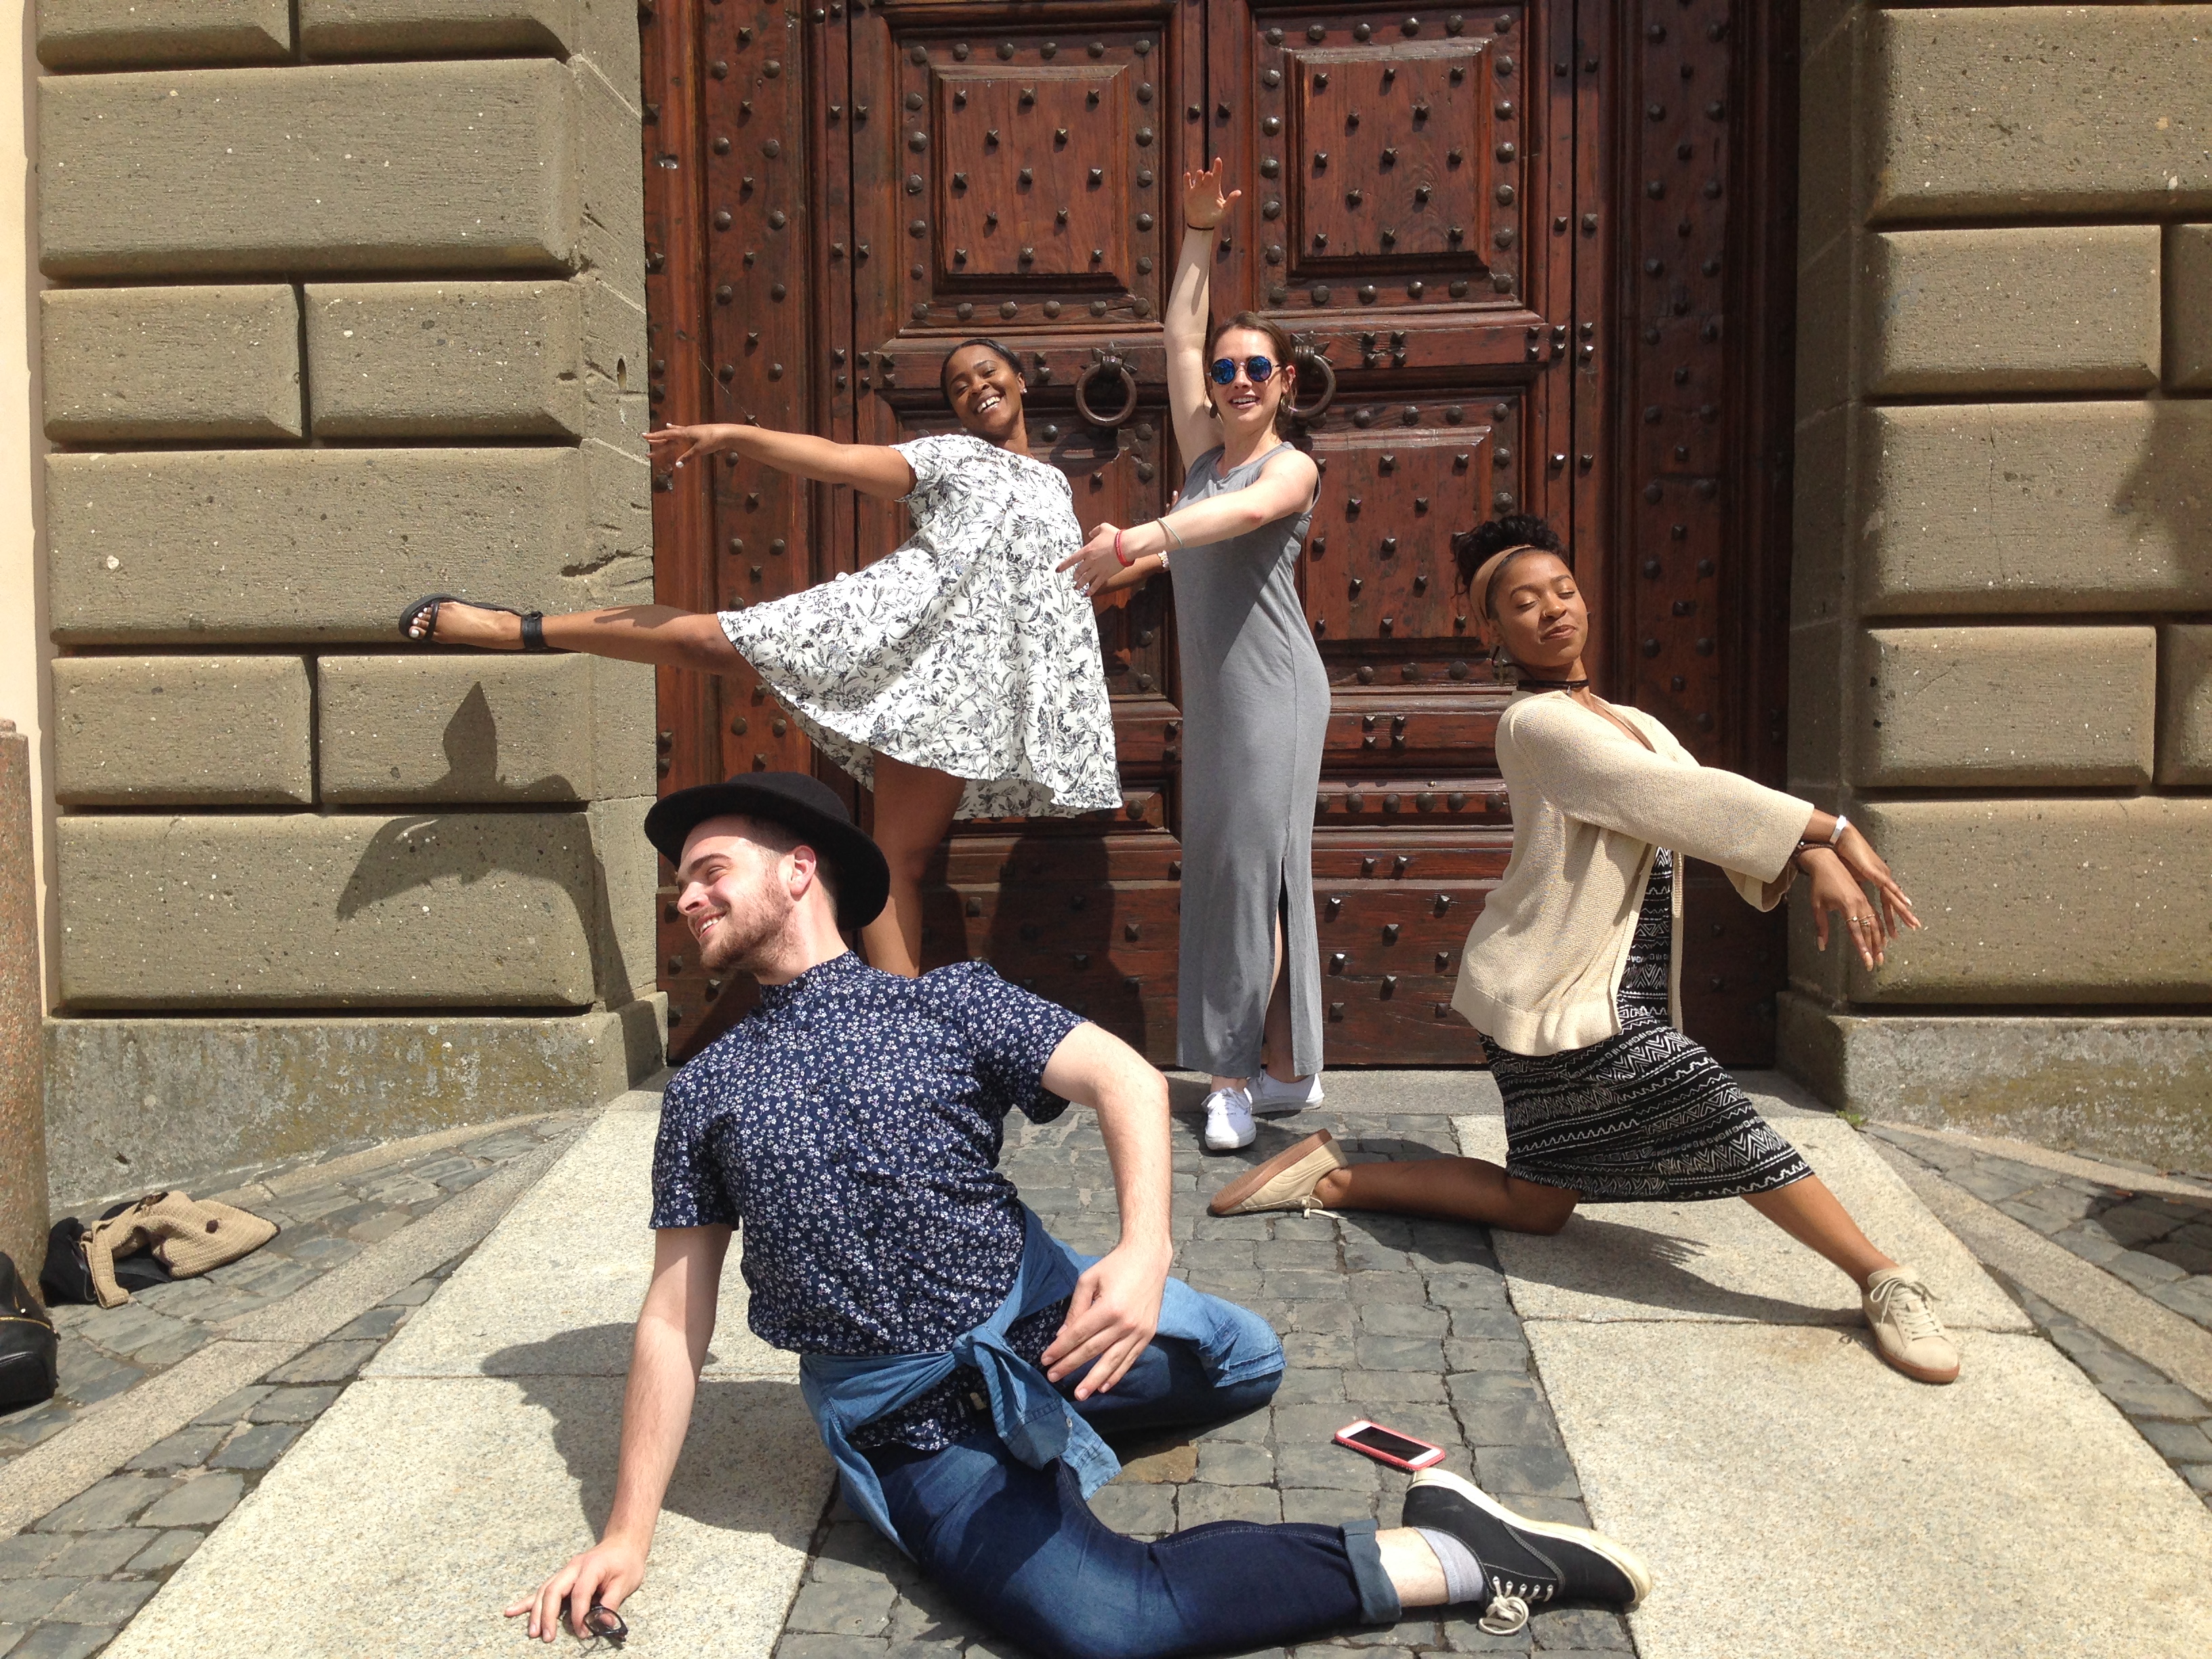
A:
[1554,685]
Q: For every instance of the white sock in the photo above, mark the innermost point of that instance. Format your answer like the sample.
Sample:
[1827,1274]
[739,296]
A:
[1463,1575]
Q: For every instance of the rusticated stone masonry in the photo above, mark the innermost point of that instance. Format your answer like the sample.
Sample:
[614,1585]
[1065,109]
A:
[347,307]
[2004,561]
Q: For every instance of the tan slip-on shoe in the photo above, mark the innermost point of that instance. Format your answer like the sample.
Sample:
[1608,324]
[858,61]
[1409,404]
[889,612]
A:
[1284,1181]
[1906,1333]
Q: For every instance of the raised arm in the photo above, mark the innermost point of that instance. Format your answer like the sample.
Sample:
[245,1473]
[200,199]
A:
[673,1329]
[872,468]
[1190,312]
[1116,1305]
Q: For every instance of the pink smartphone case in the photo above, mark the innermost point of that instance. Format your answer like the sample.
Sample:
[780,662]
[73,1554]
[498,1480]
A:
[1429,1458]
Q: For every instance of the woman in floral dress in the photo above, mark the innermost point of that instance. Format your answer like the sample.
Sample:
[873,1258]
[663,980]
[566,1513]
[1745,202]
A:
[956,677]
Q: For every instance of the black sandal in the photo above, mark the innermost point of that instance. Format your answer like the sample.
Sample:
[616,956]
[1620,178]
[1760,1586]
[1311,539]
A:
[533,622]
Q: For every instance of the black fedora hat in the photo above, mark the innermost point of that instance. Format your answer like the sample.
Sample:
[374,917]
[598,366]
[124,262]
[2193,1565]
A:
[804,805]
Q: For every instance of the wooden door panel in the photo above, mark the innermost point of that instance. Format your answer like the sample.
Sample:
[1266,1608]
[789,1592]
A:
[1384,803]
[1546,249]
[1393,159]
[1378,560]
[1447,729]
[1417,114]
[1043,133]
[1028,206]
[1086,917]
[1733,959]
[1700,400]
[1428,856]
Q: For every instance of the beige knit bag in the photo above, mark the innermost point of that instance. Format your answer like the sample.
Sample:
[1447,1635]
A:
[188,1235]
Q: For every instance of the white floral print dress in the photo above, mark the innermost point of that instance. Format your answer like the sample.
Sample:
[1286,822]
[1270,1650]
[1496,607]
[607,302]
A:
[963,651]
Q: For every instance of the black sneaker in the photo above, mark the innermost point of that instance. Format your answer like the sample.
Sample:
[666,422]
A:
[1525,1561]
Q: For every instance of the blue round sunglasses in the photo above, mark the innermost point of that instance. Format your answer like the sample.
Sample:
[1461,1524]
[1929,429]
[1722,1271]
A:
[1256,370]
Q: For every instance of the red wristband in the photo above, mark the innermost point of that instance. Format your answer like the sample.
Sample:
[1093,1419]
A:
[1118,558]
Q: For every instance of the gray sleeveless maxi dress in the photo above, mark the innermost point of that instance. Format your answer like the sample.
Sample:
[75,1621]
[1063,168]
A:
[1255,711]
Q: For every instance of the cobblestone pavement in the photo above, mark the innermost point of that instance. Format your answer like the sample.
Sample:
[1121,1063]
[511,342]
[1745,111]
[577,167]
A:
[2158,1243]
[1406,1322]
[71,1582]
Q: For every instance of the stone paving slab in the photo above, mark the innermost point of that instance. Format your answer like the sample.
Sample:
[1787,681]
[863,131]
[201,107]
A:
[2152,1364]
[94,1561]
[504,1394]
[2151,1232]
[330,1213]
[1948,1147]
[120,1478]
[1722,1261]
[1795,1497]
[569,1267]
[459,1493]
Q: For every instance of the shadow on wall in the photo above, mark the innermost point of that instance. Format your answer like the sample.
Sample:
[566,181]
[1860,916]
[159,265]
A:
[2166,494]
[398,860]
[1052,930]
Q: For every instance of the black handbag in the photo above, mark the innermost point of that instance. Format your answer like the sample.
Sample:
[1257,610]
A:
[66,1278]
[28,1347]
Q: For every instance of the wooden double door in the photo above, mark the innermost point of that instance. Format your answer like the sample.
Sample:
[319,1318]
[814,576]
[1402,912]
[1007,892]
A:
[1540,254]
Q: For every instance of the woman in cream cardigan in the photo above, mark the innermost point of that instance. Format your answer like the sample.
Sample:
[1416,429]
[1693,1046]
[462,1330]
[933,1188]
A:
[1570,971]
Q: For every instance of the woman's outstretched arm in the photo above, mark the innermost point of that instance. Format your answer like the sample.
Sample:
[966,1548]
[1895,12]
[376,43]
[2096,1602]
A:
[1188,312]
[1285,488]
[872,468]
[658,633]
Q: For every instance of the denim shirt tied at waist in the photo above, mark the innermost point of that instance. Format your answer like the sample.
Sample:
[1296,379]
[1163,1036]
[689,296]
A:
[1037,1424]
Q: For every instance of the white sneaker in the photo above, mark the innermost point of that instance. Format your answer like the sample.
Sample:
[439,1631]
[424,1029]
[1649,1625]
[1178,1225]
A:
[1906,1332]
[1229,1121]
[1273,1099]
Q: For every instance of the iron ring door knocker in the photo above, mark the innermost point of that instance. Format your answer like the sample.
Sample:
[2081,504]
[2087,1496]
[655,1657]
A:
[1305,357]
[1107,361]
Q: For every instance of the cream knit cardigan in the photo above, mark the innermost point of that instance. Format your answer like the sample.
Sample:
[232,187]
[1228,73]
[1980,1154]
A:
[1590,805]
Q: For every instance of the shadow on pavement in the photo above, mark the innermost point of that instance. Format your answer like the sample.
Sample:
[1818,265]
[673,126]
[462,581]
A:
[728,1411]
[1634,1264]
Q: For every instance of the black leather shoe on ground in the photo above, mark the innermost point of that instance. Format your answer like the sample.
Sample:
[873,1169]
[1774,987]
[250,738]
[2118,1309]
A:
[1527,1563]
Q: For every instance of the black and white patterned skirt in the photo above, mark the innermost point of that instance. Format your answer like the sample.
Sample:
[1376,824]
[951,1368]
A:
[1646,1115]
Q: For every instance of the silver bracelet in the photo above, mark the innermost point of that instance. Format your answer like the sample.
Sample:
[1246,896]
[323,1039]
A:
[1842,824]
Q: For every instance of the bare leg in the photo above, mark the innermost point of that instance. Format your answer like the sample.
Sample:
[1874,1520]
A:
[1456,1188]
[1277,1048]
[657,633]
[1415,1573]
[1810,1213]
[914,808]
[1275,1044]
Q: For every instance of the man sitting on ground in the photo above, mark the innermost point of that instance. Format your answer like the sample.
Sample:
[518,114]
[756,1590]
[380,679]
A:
[961,1364]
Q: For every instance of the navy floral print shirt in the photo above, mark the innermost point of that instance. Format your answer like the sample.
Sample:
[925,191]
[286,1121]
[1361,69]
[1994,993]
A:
[851,1124]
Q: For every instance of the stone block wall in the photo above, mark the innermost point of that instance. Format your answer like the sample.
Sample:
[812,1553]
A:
[347,307]
[2003,577]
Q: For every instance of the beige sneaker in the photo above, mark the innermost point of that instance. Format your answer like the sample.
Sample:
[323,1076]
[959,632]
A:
[1906,1332]
[1284,1181]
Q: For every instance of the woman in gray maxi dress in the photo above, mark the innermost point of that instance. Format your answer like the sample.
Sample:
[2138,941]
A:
[1255,697]
[1255,710]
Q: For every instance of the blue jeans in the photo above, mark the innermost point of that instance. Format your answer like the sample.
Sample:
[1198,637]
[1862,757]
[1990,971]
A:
[1019,1548]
